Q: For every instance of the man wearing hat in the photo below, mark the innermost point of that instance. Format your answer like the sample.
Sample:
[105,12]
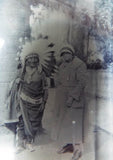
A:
[71,82]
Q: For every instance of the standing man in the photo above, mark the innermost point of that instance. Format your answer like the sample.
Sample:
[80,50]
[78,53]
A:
[28,96]
[71,82]
[33,94]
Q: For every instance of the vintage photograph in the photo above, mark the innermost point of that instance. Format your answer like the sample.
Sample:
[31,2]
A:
[56,79]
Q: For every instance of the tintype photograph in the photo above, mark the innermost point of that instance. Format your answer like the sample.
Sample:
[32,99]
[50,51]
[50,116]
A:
[56,80]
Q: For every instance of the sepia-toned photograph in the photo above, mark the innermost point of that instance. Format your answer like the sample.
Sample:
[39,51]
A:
[56,80]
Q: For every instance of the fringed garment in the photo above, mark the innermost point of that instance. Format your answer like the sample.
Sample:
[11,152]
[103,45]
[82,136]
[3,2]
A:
[27,100]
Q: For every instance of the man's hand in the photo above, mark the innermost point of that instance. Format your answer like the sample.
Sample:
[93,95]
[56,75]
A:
[69,102]
[42,106]
[18,80]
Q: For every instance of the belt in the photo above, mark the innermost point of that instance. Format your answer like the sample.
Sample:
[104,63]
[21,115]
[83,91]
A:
[31,100]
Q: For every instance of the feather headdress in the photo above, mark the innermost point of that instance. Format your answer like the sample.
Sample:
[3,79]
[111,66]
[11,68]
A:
[42,47]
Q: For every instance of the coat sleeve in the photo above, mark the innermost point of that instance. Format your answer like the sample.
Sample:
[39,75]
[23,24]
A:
[81,73]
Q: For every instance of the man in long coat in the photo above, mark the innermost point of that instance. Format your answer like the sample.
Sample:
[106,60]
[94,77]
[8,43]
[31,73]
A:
[69,105]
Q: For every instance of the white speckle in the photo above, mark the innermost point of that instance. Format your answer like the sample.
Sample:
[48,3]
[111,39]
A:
[73,122]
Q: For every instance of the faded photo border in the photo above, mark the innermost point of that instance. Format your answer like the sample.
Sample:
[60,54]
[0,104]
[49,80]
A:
[56,70]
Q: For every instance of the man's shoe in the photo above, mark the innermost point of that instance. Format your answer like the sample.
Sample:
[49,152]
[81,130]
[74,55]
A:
[30,147]
[67,148]
[77,155]
[19,149]
[20,146]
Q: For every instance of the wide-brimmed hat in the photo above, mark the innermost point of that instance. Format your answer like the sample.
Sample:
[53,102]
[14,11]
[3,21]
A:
[67,49]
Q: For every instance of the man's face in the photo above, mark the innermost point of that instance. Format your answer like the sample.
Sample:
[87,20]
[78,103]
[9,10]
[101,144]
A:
[67,57]
[32,62]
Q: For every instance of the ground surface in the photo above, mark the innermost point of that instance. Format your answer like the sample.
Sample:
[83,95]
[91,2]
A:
[97,145]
